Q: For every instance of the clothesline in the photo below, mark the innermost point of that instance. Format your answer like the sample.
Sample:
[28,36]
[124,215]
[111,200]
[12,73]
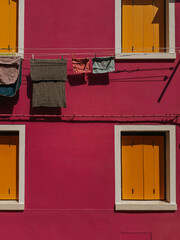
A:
[112,48]
[29,55]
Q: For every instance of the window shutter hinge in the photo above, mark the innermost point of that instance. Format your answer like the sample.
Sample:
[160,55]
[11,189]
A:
[9,190]
[153,48]
[9,2]
[8,47]
[132,190]
[132,48]
[153,190]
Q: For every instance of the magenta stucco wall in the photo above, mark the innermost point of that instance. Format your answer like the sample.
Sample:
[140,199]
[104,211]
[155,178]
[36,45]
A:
[69,173]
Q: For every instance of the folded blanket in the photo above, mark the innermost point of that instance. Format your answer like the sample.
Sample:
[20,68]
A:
[10,90]
[9,69]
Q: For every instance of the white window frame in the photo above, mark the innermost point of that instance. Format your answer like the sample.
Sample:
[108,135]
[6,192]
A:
[19,204]
[20,51]
[21,28]
[170,203]
[170,35]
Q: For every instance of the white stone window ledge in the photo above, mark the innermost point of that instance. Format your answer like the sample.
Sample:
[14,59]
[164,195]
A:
[154,56]
[11,205]
[145,206]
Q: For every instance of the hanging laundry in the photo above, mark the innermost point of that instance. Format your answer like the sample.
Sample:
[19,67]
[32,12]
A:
[10,75]
[81,65]
[9,69]
[103,64]
[48,77]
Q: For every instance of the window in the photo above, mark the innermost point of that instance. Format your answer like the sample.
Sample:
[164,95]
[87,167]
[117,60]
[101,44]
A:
[145,29]
[145,167]
[12,26]
[12,145]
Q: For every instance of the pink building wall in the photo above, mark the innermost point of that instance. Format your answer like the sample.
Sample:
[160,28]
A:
[69,173]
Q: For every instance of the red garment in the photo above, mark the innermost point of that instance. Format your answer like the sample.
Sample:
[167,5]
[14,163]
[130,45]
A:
[81,65]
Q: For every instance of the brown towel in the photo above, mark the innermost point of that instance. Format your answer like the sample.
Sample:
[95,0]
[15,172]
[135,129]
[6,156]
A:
[9,70]
[48,69]
[49,76]
[49,94]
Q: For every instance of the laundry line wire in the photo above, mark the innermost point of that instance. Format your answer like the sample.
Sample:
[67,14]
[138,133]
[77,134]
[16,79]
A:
[73,48]
[70,52]
[98,48]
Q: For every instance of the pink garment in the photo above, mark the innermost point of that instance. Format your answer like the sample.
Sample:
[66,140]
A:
[9,70]
[81,65]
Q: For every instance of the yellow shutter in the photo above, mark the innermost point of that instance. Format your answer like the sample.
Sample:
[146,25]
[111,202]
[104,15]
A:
[159,26]
[148,26]
[143,168]
[153,167]
[132,168]
[143,26]
[4,24]
[8,25]
[9,167]
[127,30]
[138,26]
[13,35]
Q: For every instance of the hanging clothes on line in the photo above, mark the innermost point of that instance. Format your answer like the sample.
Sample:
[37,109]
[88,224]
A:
[48,77]
[10,75]
[81,65]
[103,64]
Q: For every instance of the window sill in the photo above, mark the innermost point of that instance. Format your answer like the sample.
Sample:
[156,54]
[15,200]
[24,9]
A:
[20,54]
[145,206]
[147,56]
[11,205]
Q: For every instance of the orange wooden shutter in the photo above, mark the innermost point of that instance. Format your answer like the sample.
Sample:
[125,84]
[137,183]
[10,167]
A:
[4,24]
[138,26]
[148,26]
[9,167]
[8,25]
[143,26]
[154,168]
[159,25]
[143,168]
[127,27]
[132,167]
[13,35]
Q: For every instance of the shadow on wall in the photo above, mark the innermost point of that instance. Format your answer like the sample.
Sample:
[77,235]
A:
[7,104]
[78,79]
[169,80]
[98,79]
[90,79]
[145,77]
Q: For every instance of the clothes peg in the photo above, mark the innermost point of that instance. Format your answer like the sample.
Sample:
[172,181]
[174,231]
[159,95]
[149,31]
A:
[32,56]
